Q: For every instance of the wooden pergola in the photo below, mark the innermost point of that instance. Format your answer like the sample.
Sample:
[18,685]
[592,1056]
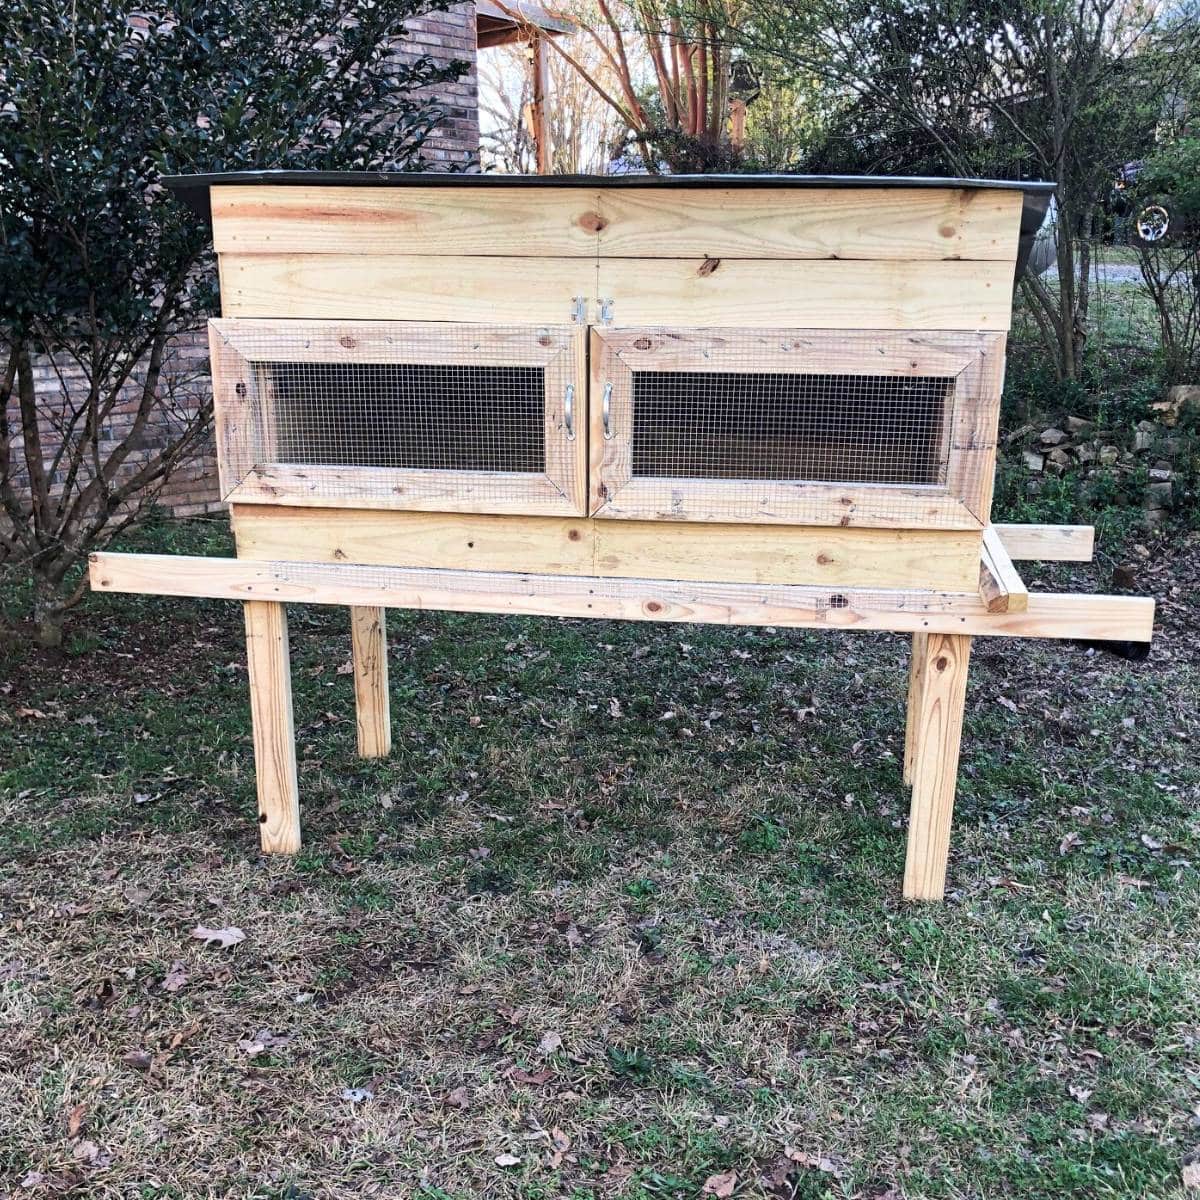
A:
[503,22]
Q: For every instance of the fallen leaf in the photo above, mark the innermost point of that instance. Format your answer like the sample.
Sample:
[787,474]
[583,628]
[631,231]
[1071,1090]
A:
[551,1043]
[35,713]
[459,1098]
[614,708]
[560,1144]
[75,1120]
[262,1041]
[357,1095]
[175,979]
[1191,1176]
[85,1151]
[1069,842]
[346,668]
[222,939]
[139,1060]
[1151,843]
[1082,1094]
[508,1160]
[720,1185]
[530,1078]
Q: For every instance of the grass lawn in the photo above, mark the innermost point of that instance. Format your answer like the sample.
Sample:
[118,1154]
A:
[619,917]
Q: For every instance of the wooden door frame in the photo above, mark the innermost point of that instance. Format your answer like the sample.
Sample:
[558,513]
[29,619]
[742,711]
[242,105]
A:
[975,360]
[236,346]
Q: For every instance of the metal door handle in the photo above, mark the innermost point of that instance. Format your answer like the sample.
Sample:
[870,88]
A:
[569,412]
[606,410]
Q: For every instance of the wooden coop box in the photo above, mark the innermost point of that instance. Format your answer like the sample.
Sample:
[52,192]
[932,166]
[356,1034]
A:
[767,400]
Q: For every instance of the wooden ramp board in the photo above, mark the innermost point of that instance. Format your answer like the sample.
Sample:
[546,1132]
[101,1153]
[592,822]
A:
[1101,618]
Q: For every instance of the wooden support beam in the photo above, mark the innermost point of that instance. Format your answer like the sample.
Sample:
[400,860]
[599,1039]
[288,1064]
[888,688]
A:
[1000,585]
[1100,618]
[368,641]
[270,674]
[1049,543]
[916,672]
[937,719]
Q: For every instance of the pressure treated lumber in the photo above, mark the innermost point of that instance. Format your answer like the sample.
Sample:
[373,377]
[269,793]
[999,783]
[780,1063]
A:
[368,642]
[901,223]
[1050,543]
[1000,585]
[1100,618]
[269,670]
[820,294]
[916,673]
[521,222]
[940,560]
[937,717]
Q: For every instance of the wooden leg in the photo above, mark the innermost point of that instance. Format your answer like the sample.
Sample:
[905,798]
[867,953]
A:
[368,640]
[935,721]
[916,668]
[274,736]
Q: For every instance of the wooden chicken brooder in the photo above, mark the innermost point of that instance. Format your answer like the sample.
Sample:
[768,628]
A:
[745,400]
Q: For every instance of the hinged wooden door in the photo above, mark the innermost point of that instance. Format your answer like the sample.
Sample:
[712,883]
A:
[879,429]
[406,415]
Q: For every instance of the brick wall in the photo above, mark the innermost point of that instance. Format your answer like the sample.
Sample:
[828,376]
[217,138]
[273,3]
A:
[444,36]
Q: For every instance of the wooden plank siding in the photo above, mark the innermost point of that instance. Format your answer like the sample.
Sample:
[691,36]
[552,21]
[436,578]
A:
[814,294]
[898,224]
[928,558]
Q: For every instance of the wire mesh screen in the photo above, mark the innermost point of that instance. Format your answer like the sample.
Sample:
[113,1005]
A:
[817,427]
[415,415]
[409,415]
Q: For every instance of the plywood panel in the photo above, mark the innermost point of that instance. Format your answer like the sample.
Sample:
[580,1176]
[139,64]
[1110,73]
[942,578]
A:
[934,559]
[903,224]
[532,222]
[530,291]
[814,294]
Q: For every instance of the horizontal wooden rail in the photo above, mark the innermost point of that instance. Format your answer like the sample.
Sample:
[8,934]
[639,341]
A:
[1129,618]
[1050,543]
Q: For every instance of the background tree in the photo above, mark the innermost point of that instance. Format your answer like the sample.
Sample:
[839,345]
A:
[667,75]
[581,125]
[1066,90]
[100,270]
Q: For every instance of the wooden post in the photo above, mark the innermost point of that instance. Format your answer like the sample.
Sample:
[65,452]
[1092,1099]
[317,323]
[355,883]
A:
[916,667]
[368,640]
[274,736]
[935,720]
[540,69]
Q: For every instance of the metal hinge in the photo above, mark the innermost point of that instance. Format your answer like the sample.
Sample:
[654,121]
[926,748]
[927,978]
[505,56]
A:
[606,311]
[579,308]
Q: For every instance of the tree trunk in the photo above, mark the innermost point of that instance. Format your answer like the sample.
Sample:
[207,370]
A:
[48,614]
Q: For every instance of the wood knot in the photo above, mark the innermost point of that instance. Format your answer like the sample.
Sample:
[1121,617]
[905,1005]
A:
[947,231]
[941,663]
[643,343]
[545,340]
[708,266]
[592,222]
[347,342]
[824,559]
[573,535]
[653,606]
